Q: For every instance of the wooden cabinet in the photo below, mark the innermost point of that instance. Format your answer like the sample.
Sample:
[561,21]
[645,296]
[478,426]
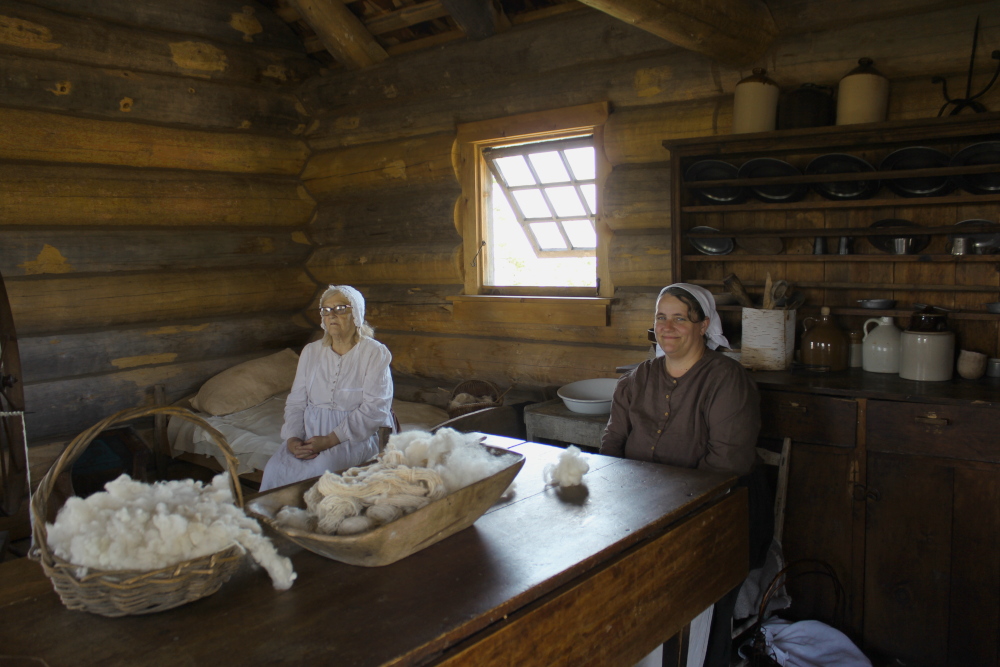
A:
[932,276]
[907,512]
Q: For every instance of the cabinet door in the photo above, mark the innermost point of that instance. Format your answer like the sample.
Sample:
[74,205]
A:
[932,560]
[818,524]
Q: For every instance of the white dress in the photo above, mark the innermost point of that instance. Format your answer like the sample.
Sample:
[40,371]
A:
[349,395]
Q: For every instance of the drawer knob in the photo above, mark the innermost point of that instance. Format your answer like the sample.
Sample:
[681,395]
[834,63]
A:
[794,406]
[933,421]
[874,496]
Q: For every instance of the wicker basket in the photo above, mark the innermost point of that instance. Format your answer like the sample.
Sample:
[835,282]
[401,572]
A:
[476,388]
[130,592]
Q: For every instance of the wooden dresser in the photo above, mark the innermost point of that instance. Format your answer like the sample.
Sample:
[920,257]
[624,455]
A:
[896,484]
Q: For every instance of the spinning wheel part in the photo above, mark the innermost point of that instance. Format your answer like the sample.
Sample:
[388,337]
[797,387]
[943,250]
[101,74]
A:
[13,464]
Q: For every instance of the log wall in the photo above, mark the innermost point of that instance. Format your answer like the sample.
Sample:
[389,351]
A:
[382,136]
[153,225]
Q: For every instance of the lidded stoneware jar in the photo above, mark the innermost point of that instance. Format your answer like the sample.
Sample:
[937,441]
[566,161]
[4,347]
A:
[755,103]
[824,343]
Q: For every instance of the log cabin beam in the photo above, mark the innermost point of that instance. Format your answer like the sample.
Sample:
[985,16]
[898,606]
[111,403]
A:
[434,263]
[49,137]
[641,258]
[479,19]
[43,304]
[82,196]
[66,355]
[733,32]
[414,162]
[33,252]
[406,17]
[90,42]
[341,32]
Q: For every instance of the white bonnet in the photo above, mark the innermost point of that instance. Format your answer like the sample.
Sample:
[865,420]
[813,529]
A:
[707,303]
[357,303]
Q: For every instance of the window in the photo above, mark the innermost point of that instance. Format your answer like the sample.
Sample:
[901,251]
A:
[531,212]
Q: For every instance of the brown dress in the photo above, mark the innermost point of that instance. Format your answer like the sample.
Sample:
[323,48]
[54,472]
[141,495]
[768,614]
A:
[708,418]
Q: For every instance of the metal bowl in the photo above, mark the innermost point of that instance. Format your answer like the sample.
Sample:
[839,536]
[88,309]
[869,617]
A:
[877,304]
[993,307]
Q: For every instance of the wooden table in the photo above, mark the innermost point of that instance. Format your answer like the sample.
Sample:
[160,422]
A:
[554,421]
[598,574]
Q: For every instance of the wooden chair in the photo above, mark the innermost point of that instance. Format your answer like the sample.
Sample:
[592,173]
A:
[780,461]
[503,420]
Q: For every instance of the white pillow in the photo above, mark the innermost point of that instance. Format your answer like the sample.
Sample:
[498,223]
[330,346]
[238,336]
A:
[248,384]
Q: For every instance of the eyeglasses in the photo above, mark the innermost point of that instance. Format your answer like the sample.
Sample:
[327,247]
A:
[333,310]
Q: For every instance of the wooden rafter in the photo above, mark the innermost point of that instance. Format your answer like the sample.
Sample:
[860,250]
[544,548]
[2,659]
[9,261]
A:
[406,17]
[479,19]
[734,32]
[341,32]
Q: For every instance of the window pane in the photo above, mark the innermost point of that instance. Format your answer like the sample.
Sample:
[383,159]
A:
[548,236]
[549,167]
[515,170]
[566,201]
[532,204]
[581,161]
[581,233]
[590,194]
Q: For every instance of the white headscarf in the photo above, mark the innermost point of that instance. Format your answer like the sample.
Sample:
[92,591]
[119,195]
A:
[357,304]
[707,302]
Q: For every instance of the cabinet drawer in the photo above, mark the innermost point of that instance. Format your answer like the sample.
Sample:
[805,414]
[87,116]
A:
[950,431]
[822,420]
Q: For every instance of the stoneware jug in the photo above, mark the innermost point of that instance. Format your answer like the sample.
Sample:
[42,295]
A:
[755,103]
[824,344]
[880,351]
[928,356]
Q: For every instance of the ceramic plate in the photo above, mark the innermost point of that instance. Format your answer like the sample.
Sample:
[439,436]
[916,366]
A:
[839,163]
[711,246]
[715,170]
[888,243]
[987,152]
[917,157]
[766,167]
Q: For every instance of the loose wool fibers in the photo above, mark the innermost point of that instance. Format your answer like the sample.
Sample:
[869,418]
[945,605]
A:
[415,469]
[136,526]
[570,469]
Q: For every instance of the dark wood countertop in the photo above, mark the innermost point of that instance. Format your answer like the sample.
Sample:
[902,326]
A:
[519,554]
[856,383]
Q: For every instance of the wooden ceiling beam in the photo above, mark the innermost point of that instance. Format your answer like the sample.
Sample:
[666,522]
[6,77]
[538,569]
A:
[341,32]
[406,17]
[733,32]
[479,19]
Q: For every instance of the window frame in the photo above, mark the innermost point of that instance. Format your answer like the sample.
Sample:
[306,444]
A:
[473,174]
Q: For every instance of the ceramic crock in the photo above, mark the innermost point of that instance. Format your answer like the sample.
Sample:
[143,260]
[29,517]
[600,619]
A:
[928,356]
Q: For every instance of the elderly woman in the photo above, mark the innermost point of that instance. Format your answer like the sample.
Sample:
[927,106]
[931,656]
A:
[342,394]
[694,407]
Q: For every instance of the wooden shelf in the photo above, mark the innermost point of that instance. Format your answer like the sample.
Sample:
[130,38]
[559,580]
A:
[820,204]
[895,312]
[941,259]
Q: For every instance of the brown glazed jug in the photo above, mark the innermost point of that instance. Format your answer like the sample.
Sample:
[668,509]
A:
[824,344]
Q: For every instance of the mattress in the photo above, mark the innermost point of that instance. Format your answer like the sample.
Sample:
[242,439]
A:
[254,434]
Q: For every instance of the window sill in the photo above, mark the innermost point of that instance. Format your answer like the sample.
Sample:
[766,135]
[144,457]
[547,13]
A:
[554,310]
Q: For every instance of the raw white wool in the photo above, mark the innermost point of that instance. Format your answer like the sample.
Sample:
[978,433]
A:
[136,526]
[415,469]
[570,469]
[297,518]
[463,399]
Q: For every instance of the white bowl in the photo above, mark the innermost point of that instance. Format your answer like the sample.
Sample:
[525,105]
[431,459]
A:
[592,397]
